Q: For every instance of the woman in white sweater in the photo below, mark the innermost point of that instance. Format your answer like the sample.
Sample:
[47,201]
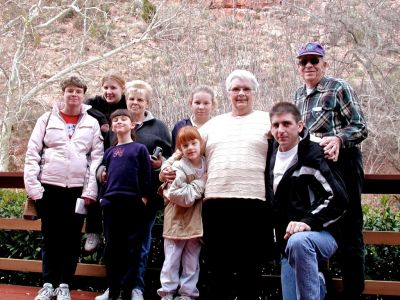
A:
[236,150]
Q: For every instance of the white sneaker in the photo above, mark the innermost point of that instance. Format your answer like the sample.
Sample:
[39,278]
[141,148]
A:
[185,298]
[168,297]
[137,294]
[103,296]
[46,292]
[62,292]
[92,242]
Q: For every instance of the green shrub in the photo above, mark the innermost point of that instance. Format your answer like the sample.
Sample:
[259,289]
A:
[17,243]
[148,11]
[386,217]
[382,261]
[11,203]
[20,244]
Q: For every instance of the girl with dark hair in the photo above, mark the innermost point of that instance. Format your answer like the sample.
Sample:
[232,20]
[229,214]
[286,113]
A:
[123,202]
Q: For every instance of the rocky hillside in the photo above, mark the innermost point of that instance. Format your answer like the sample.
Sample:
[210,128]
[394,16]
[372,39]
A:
[193,42]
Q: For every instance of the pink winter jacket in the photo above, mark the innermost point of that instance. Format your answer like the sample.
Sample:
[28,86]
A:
[65,161]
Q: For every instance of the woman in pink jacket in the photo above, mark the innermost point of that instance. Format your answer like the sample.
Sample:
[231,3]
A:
[63,153]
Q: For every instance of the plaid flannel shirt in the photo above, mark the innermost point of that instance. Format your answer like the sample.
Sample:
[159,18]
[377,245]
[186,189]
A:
[332,109]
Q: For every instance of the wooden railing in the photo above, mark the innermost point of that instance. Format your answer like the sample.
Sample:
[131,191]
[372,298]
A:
[374,184]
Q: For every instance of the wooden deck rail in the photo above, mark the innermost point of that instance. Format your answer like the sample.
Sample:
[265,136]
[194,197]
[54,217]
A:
[374,184]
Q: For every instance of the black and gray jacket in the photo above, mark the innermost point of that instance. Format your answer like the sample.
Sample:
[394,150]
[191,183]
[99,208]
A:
[311,191]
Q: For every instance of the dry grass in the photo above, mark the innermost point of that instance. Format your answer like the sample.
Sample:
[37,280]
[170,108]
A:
[201,46]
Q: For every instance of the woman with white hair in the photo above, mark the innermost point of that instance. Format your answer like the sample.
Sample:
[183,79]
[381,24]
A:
[236,150]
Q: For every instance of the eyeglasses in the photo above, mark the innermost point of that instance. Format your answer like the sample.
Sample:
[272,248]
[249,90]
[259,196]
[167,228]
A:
[236,91]
[313,61]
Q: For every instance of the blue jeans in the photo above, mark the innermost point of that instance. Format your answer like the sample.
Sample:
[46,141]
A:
[299,271]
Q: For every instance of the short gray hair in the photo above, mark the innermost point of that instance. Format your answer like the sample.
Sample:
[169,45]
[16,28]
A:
[243,75]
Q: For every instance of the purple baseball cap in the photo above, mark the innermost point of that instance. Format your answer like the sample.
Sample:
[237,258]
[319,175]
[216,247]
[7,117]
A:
[311,48]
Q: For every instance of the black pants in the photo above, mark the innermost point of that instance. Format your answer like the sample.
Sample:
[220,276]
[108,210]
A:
[352,248]
[94,219]
[237,228]
[123,222]
[61,232]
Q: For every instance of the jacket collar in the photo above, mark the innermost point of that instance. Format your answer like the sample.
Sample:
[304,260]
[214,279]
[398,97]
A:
[305,140]
[147,116]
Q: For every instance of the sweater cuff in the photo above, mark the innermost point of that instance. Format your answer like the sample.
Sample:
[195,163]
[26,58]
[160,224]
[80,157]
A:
[99,173]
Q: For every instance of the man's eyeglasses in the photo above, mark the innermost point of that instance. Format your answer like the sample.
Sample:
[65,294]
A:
[236,91]
[314,61]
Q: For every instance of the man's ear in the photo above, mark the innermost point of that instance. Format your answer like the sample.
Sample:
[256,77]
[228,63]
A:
[300,126]
[325,64]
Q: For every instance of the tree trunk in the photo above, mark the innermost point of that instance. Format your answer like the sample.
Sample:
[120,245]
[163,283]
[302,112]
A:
[5,136]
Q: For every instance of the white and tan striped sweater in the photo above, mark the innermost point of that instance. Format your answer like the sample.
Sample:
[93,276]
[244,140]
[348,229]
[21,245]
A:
[236,151]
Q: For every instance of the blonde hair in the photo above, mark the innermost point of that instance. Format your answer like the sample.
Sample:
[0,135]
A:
[139,86]
[206,89]
[112,75]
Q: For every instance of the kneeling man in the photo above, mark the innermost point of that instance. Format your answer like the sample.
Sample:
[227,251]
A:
[309,199]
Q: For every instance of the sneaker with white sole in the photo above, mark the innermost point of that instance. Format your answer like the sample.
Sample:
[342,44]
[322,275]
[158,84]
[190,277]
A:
[137,294]
[62,292]
[103,296]
[46,292]
[92,242]
[168,297]
[184,298]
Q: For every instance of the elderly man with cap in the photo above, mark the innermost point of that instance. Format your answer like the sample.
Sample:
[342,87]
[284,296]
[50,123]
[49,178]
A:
[331,111]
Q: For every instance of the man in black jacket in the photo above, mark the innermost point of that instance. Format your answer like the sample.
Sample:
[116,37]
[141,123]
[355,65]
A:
[309,199]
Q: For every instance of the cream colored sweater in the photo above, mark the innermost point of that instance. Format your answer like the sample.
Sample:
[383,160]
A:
[236,152]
